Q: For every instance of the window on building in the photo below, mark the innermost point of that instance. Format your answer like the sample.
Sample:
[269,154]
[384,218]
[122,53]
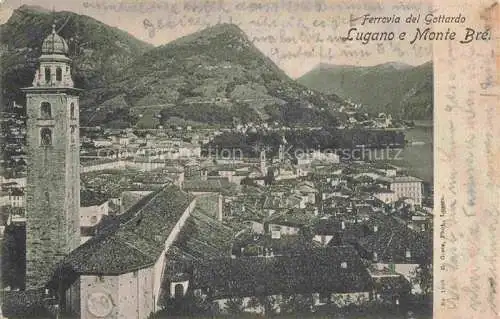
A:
[178,290]
[73,135]
[47,74]
[58,74]
[45,110]
[408,253]
[72,110]
[45,136]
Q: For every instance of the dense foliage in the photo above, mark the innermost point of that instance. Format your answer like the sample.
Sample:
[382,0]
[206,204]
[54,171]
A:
[13,256]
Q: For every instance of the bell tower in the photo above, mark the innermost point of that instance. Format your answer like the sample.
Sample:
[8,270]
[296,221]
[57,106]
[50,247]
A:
[53,184]
[263,167]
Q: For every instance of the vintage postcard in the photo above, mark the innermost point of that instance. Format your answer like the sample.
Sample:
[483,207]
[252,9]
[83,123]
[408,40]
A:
[249,159]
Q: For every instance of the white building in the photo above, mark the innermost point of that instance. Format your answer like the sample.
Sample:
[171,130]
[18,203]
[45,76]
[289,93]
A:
[407,187]
[385,195]
[16,198]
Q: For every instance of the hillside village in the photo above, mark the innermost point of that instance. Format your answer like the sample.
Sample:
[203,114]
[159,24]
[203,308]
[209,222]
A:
[250,212]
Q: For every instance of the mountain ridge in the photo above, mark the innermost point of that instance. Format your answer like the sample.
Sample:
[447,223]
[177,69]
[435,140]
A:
[399,89]
[220,69]
[215,75]
[95,59]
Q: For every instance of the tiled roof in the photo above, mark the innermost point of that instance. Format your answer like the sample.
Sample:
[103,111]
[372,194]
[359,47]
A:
[405,179]
[108,255]
[297,218]
[137,242]
[209,185]
[328,227]
[92,198]
[286,245]
[318,270]
[392,240]
[201,237]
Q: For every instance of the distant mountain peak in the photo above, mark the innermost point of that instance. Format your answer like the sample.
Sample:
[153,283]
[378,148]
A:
[32,8]
[327,66]
[428,63]
[225,27]
[222,29]
[395,65]
[388,65]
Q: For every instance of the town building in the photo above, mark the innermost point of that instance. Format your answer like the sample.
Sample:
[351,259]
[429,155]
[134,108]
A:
[407,187]
[331,275]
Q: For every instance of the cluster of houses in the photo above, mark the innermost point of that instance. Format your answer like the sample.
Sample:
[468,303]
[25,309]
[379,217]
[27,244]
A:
[13,136]
[337,233]
[260,227]
[150,223]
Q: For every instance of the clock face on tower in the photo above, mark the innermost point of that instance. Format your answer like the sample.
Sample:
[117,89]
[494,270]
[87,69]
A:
[100,304]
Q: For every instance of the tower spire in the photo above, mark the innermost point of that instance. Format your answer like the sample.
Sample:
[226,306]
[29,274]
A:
[53,19]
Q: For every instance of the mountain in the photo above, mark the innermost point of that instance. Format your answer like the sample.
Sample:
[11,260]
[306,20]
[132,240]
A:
[99,52]
[399,89]
[214,76]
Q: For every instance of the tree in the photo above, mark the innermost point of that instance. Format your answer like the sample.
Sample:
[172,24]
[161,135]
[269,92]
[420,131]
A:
[14,256]
[189,305]
[423,277]
[268,304]
[234,305]
[296,304]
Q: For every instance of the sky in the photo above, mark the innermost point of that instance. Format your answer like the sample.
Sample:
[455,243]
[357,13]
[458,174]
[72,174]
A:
[297,35]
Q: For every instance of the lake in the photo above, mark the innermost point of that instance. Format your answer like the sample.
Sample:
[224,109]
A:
[417,156]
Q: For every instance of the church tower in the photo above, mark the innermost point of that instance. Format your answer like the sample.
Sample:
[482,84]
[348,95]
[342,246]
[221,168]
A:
[263,166]
[53,184]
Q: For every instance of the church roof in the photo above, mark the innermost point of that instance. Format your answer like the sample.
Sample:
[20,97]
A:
[54,44]
[202,237]
[137,242]
[214,185]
